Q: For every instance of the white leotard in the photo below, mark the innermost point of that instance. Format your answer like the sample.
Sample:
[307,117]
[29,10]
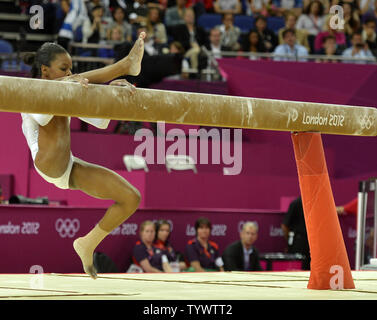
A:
[32,121]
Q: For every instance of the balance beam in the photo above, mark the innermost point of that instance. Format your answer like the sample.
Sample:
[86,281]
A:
[61,98]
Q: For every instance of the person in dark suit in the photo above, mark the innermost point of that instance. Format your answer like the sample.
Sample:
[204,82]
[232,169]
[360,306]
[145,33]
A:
[268,36]
[294,230]
[191,36]
[242,255]
[188,34]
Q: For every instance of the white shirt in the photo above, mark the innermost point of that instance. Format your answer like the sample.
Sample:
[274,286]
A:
[227,4]
[258,4]
[308,23]
[246,257]
[370,6]
[216,51]
[32,121]
[287,4]
[361,54]
[292,53]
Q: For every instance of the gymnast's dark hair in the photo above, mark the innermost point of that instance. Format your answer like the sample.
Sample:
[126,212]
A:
[44,56]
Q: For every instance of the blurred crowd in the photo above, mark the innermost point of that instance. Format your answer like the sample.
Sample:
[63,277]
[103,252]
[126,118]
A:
[185,28]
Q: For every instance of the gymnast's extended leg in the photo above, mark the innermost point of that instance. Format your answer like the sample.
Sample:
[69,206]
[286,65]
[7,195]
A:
[102,183]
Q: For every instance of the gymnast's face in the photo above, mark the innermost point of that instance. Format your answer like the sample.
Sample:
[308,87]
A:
[60,67]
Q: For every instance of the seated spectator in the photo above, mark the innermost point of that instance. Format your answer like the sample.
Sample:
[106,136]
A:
[351,19]
[137,12]
[264,8]
[94,28]
[161,5]
[374,14]
[115,34]
[200,6]
[145,254]
[214,46]
[162,242]
[192,37]
[118,3]
[151,47]
[359,49]
[242,255]
[367,7]
[156,29]
[312,20]
[227,6]
[62,11]
[290,23]
[329,48]
[272,9]
[325,3]
[369,34]
[176,48]
[105,4]
[121,23]
[339,35]
[268,36]
[257,7]
[201,253]
[253,43]
[290,48]
[174,15]
[290,6]
[229,32]
[76,14]
[294,231]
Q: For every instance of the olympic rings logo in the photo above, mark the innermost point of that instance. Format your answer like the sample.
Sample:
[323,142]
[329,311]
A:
[67,227]
[366,122]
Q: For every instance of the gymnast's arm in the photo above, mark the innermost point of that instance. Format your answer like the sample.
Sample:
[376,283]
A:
[98,123]
[41,119]
[103,123]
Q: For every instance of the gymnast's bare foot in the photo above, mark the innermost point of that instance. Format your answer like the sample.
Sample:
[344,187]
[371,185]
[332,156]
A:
[132,63]
[86,256]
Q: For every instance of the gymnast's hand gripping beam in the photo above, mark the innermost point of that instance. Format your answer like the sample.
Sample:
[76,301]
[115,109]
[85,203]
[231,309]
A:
[62,98]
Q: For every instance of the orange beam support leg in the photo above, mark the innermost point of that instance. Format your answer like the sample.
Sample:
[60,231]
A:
[329,267]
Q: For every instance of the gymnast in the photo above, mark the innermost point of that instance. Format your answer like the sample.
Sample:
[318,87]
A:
[48,138]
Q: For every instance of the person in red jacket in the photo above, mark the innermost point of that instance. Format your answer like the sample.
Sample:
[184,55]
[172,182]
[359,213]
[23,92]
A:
[348,208]
[351,208]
